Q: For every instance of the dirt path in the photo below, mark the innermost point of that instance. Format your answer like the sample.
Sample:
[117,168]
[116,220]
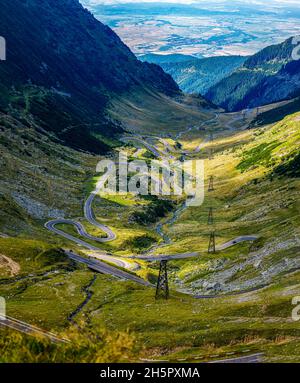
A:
[7,263]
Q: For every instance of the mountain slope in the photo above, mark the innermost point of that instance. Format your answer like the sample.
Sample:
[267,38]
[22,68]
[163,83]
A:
[269,76]
[63,66]
[70,82]
[278,113]
[165,59]
[198,75]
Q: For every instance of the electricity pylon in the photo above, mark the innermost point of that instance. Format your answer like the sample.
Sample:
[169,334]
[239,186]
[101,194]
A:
[211,184]
[162,289]
[210,220]
[212,243]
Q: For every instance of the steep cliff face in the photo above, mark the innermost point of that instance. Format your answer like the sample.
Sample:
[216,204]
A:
[269,76]
[63,66]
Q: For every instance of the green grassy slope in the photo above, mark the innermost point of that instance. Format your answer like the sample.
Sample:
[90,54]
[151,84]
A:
[256,193]
[202,329]
[40,178]
[253,196]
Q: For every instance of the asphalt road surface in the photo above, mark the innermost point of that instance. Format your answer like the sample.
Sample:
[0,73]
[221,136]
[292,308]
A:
[89,215]
[95,251]
[29,329]
[152,258]
[254,358]
[104,268]
[237,240]
[150,147]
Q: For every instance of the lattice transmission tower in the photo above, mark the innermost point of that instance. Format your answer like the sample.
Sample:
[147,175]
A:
[210,220]
[162,288]
[212,243]
[211,184]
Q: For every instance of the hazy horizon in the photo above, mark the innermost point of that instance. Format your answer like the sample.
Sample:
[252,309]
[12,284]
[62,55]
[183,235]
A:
[199,27]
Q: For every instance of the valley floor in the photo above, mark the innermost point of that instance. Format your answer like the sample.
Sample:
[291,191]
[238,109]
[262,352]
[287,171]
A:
[234,302]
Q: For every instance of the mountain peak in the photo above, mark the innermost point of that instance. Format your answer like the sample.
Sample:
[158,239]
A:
[59,57]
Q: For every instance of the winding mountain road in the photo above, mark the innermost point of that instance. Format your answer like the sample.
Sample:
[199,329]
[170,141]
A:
[153,258]
[150,147]
[80,230]
[29,329]
[89,215]
[122,262]
[168,146]
[104,268]
[254,358]
[95,251]
[237,240]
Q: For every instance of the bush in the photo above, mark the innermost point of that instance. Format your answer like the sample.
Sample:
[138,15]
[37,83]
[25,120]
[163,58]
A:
[138,244]
[290,168]
[259,155]
[159,208]
[84,347]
